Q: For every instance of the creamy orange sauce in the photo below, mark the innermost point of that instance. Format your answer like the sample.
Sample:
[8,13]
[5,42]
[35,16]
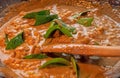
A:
[101,31]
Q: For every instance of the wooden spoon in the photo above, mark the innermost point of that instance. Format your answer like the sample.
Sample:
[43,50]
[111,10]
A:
[81,49]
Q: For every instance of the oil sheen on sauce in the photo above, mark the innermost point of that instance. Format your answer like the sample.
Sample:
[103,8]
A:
[34,40]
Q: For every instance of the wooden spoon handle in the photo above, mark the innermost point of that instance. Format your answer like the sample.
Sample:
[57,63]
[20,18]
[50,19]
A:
[83,49]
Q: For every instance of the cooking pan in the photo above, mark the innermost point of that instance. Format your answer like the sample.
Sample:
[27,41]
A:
[10,8]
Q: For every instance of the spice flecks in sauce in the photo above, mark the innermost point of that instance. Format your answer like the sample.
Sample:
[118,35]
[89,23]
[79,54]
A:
[84,34]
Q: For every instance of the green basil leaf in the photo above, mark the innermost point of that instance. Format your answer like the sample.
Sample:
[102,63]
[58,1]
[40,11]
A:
[80,14]
[33,14]
[72,29]
[86,21]
[36,56]
[41,19]
[51,29]
[62,24]
[6,39]
[76,67]
[58,25]
[56,61]
[65,31]
[64,28]
[15,42]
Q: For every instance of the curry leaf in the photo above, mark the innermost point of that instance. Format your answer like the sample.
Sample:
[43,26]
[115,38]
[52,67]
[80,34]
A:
[76,67]
[56,61]
[33,14]
[86,21]
[36,56]
[15,42]
[41,19]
